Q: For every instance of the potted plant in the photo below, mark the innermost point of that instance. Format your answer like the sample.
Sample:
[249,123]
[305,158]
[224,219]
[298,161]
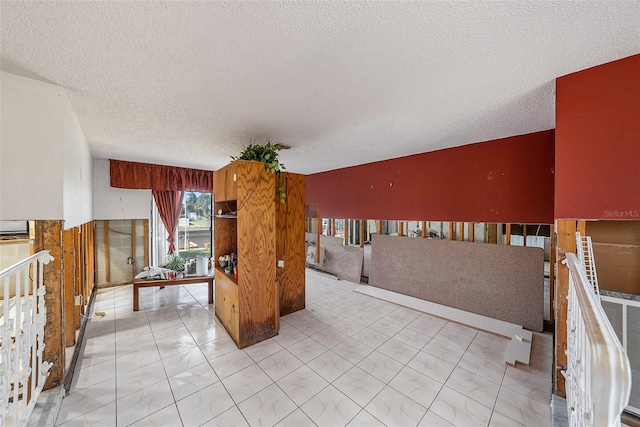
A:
[174,262]
[267,154]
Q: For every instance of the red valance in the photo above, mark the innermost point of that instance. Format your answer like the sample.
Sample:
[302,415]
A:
[144,176]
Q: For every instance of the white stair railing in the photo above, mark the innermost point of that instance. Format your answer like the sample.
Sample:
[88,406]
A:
[584,249]
[598,374]
[23,371]
[624,315]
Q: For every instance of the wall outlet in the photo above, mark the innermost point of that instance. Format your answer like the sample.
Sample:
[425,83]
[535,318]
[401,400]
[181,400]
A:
[130,260]
[77,300]
[234,177]
[281,263]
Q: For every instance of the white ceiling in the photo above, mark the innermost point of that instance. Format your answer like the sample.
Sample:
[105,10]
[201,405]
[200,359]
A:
[343,83]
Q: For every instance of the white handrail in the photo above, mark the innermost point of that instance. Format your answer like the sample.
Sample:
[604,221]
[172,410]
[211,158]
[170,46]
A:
[598,374]
[23,371]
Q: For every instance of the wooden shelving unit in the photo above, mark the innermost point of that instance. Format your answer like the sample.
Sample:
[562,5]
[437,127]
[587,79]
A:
[249,306]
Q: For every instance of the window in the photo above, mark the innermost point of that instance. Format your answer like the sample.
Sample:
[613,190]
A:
[194,231]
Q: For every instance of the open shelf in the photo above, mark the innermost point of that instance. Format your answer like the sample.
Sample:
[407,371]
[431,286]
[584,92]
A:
[229,277]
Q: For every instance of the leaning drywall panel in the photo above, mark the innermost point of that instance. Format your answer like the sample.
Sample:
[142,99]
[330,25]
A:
[343,261]
[503,282]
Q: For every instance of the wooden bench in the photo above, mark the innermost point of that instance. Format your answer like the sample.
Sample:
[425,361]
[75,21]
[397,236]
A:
[144,283]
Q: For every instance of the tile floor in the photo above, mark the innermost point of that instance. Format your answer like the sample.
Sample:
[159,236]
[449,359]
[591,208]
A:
[347,359]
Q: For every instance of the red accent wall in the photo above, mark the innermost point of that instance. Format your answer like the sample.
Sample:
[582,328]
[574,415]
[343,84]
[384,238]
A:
[598,142]
[504,180]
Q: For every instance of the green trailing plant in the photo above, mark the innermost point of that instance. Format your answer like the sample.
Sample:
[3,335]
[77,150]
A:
[267,154]
[174,262]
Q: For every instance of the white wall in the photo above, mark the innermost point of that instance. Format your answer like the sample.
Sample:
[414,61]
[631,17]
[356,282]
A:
[78,171]
[31,155]
[45,161]
[117,203]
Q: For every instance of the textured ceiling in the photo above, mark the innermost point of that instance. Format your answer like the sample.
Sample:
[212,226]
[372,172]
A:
[343,83]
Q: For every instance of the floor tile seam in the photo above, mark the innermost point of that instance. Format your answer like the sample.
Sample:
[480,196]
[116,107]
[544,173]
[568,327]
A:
[83,347]
[148,385]
[398,391]
[460,326]
[159,341]
[483,356]
[141,366]
[475,400]
[459,359]
[144,348]
[520,392]
[509,418]
[506,416]
[74,384]
[86,413]
[81,367]
[452,342]
[411,398]
[127,423]
[295,404]
[431,404]
[444,384]
[320,391]
[495,403]
[533,378]
[231,397]
[250,396]
[374,417]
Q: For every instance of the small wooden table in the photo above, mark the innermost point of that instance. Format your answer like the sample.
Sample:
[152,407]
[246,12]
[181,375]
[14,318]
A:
[143,283]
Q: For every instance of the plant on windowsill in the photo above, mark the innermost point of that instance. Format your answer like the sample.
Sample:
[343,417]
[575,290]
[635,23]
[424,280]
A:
[267,154]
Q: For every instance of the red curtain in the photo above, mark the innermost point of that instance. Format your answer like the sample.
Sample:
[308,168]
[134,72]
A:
[145,176]
[169,205]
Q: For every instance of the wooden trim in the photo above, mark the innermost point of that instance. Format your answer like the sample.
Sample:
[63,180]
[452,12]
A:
[107,266]
[566,232]
[133,248]
[423,228]
[461,234]
[472,232]
[145,225]
[362,236]
[346,232]
[492,233]
[319,233]
[452,230]
[49,236]
[552,274]
[524,234]
[332,227]
[85,263]
[68,265]
[78,288]
[94,249]
[508,235]
[91,254]
[379,227]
